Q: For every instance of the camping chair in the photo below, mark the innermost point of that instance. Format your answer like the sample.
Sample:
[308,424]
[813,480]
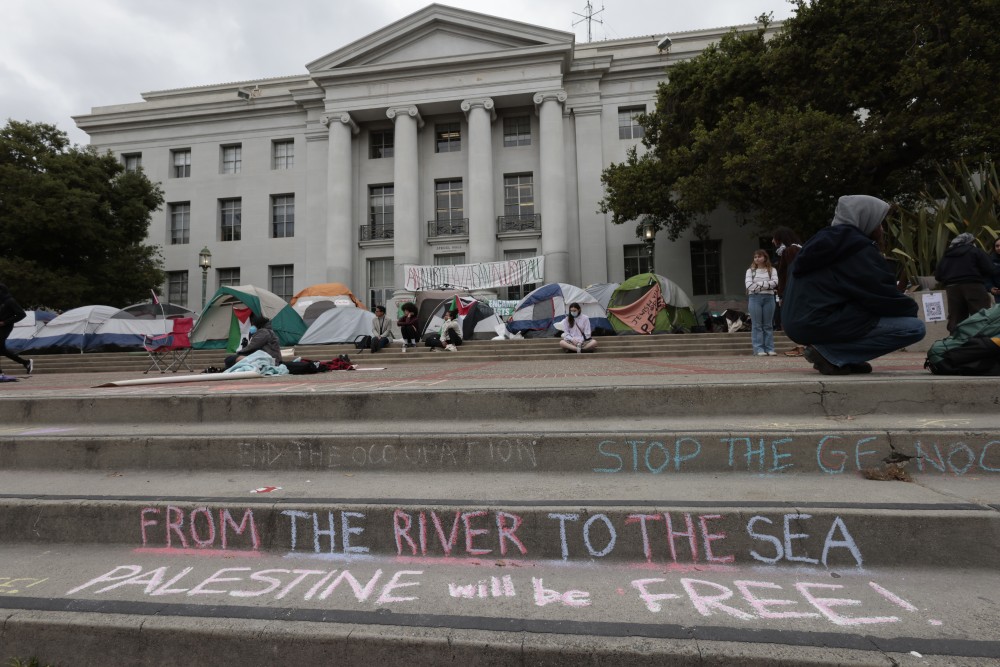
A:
[168,352]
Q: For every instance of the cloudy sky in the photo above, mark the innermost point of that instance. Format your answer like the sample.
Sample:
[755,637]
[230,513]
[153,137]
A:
[60,58]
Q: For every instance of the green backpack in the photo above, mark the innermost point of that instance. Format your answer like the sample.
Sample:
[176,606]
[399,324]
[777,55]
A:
[971,348]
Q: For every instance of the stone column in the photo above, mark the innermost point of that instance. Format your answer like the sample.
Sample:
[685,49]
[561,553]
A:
[406,217]
[552,185]
[339,200]
[479,185]
[594,229]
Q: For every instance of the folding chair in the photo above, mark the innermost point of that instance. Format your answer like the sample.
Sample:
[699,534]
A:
[168,352]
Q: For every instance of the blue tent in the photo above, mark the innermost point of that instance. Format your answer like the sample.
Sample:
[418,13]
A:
[538,312]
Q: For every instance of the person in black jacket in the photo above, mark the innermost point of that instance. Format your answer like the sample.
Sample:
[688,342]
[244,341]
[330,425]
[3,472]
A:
[841,299]
[994,284]
[10,314]
[262,337]
[964,270]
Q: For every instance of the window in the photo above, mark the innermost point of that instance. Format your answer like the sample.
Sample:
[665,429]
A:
[232,159]
[518,194]
[282,216]
[517,131]
[380,280]
[381,205]
[132,161]
[180,223]
[177,287]
[283,154]
[628,124]
[636,260]
[448,137]
[706,267]
[381,143]
[229,277]
[448,200]
[230,219]
[518,292]
[282,276]
[451,259]
[181,160]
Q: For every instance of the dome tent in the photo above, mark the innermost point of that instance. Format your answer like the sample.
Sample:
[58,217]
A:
[477,319]
[537,313]
[25,330]
[338,325]
[311,302]
[69,331]
[218,328]
[650,304]
[148,310]
[125,333]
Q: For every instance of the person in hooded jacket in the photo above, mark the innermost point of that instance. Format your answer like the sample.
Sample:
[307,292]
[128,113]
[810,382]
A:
[994,284]
[262,337]
[841,300]
[10,314]
[964,270]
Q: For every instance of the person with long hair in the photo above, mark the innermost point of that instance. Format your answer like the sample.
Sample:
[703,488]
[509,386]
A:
[786,245]
[576,331]
[449,336]
[408,325]
[761,283]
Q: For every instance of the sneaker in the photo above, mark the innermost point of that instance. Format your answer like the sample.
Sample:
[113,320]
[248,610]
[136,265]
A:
[451,348]
[821,364]
[434,349]
[860,368]
[761,354]
[772,353]
[30,366]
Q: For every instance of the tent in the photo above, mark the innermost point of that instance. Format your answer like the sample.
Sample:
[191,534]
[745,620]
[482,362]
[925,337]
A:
[316,299]
[602,292]
[218,328]
[69,331]
[338,325]
[650,304]
[535,316]
[26,329]
[478,320]
[125,333]
[154,311]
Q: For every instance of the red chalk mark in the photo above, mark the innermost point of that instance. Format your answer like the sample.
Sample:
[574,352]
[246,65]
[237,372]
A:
[210,553]
[620,591]
[266,489]
[934,621]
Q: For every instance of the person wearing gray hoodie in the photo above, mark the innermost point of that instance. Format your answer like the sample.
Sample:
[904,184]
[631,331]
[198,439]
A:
[841,300]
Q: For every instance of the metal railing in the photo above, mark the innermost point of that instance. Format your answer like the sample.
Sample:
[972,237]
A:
[455,227]
[375,232]
[530,222]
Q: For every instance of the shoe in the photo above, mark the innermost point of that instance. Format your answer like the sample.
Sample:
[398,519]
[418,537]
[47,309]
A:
[30,366]
[821,364]
[434,349]
[772,353]
[761,354]
[860,368]
[451,348]
[794,352]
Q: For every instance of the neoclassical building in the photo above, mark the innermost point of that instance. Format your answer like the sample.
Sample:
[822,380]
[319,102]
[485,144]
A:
[447,137]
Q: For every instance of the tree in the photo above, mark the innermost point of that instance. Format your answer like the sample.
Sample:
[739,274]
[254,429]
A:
[73,222]
[849,97]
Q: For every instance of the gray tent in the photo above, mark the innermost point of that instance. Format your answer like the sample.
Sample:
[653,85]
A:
[338,325]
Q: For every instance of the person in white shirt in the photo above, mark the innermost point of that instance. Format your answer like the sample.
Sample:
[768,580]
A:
[761,282]
[576,331]
[450,335]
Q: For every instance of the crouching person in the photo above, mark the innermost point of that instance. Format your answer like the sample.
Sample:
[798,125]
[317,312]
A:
[576,331]
[262,337]
[841,299]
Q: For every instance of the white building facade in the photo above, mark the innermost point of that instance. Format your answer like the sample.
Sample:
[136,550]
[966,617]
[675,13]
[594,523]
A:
[448,137]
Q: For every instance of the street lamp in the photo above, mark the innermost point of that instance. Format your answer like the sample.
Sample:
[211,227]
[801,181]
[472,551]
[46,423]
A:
[648,232]
[205,262]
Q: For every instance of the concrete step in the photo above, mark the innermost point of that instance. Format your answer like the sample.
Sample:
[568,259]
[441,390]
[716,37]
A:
[160,609]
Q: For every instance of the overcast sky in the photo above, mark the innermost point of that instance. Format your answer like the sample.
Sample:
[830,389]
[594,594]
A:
[60,58]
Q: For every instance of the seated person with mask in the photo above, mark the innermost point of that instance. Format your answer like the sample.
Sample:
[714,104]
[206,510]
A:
[262,337]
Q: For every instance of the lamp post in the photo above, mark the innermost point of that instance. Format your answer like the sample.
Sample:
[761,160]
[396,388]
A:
[648,231]
[205,262]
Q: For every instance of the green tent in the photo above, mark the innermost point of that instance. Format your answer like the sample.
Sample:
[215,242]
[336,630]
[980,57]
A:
[672,312]
[216,324]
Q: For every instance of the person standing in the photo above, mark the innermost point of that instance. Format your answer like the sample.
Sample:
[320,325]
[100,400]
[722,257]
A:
[786,246]
[994,283]
[10,314]
[381,330]
[964,270]
[761,283]
[576,331]
[841,299]
[408,325]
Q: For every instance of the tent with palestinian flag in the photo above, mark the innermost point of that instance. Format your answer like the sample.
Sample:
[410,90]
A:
[226,319]
[538,312]
[478,320]
[650,304]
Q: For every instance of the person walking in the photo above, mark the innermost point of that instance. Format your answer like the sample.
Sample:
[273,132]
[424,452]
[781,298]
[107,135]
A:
[841,299]
[761,283]
[786,245]
[381,330]
[964,270]
[576,331]
[10,314]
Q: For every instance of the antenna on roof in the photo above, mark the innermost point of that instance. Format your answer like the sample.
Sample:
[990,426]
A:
[589,18]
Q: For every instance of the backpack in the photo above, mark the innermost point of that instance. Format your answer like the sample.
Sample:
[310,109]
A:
[973,348]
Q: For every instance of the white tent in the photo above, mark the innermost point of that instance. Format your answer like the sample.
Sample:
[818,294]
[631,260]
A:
[338,325]
[71,329]
[26,329]
[539,311]
[125,333]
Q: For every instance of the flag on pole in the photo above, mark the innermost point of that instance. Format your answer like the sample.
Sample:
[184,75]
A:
[155,300]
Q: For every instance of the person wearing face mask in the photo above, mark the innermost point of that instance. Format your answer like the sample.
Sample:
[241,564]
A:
[576,331]
[262,337]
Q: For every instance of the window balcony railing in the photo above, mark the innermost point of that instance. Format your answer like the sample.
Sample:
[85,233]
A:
[530,222]
[455,227]
[375,232]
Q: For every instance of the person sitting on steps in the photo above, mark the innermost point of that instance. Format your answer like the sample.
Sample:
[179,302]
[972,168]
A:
[408,325]
[450,335]
[381,330]
[576,331]
[262,337]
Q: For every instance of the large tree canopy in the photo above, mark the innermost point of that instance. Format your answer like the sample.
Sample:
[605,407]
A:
[73,222]
[849,97]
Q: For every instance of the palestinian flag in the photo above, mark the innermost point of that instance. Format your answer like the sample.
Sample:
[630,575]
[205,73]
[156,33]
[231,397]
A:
[239,328]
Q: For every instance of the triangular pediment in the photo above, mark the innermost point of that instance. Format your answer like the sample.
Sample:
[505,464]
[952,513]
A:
[438,32]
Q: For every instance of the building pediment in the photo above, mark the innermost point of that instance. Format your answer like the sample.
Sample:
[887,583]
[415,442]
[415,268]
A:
[441,34]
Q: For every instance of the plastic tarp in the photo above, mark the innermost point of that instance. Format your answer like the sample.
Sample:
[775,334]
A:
[71,330]
[477,319]
[213,327]
[674,313]
[125,333]
[311,302]
[339,325]
[538,312]
[26,329]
